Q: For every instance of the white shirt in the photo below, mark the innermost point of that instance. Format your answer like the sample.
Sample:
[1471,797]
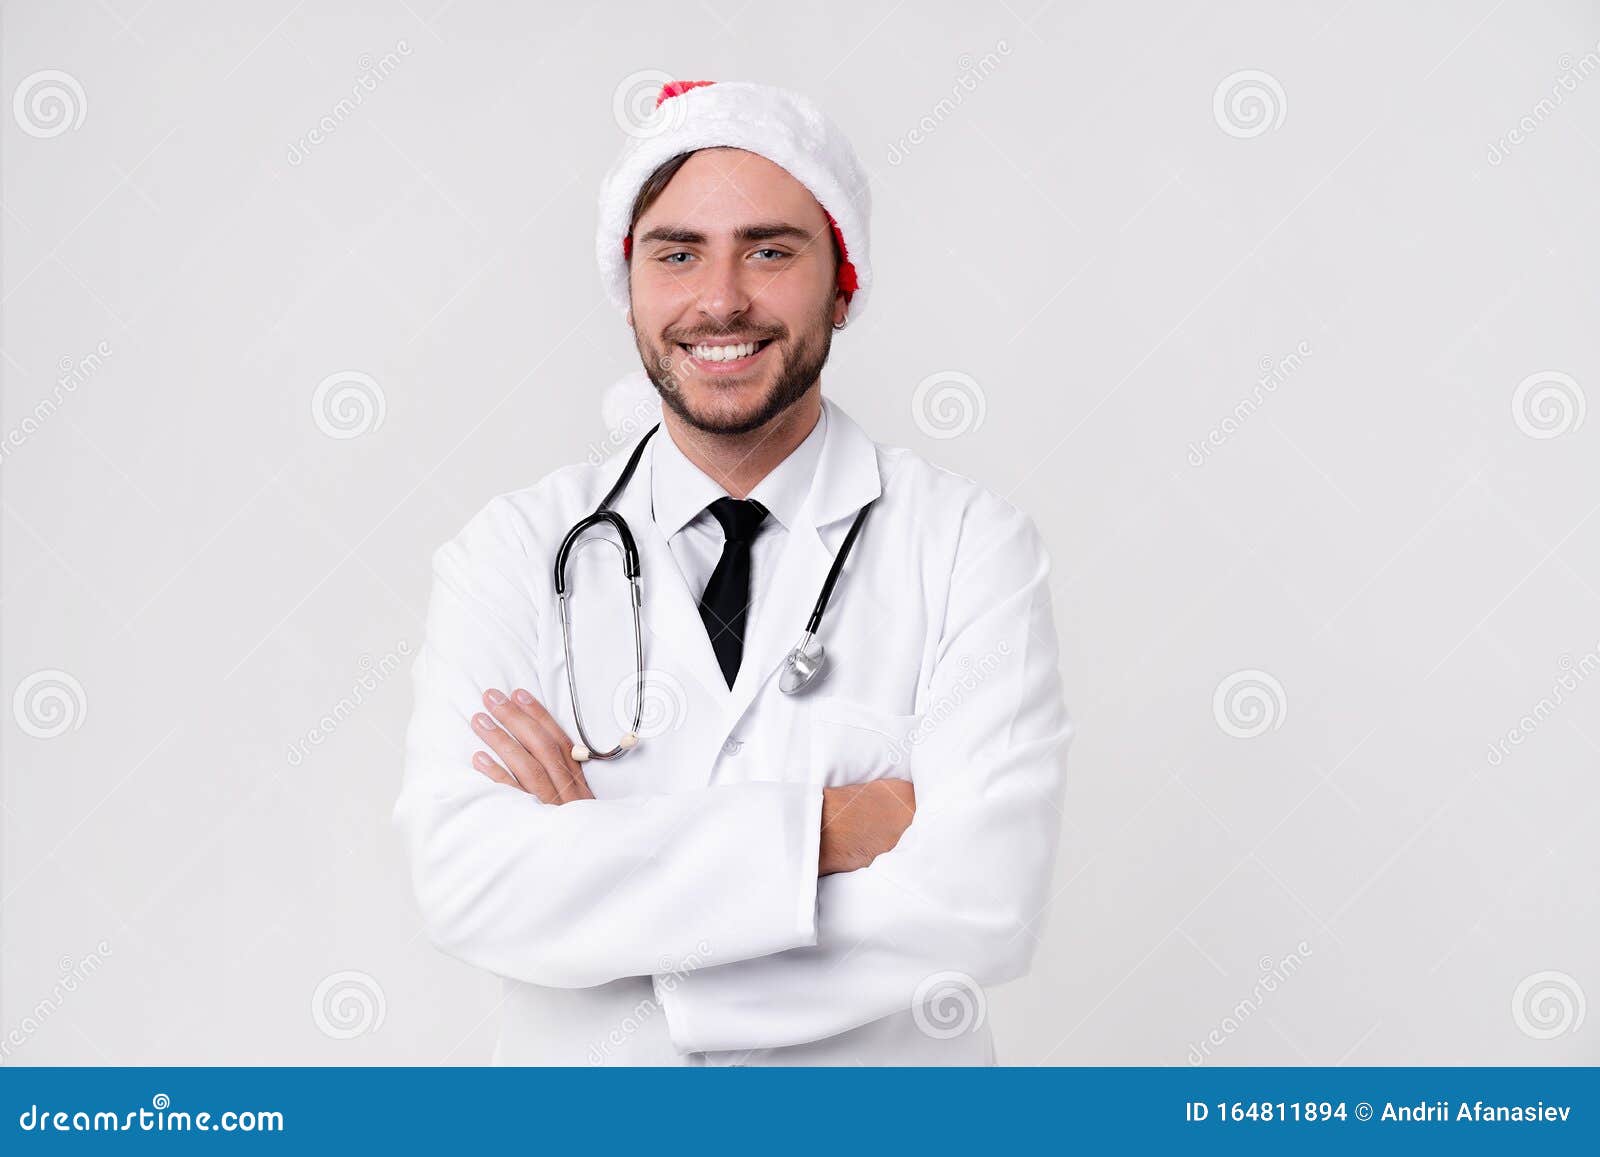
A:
[680,493]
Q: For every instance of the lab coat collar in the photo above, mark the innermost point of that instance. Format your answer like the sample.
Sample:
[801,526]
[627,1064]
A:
[846,477]
[680,490]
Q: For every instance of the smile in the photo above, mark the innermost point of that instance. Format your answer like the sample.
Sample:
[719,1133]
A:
[725,358]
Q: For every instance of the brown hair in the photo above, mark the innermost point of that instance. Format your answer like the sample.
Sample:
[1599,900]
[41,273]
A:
[657,183]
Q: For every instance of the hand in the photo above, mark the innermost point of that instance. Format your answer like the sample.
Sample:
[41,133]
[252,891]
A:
[861,821]
[535,754]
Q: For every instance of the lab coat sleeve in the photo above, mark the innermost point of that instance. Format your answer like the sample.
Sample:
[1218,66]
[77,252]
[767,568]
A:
[959,902]
[586,892]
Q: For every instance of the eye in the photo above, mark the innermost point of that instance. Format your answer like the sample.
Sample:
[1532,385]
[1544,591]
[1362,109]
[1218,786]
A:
[779,252]
[668,259]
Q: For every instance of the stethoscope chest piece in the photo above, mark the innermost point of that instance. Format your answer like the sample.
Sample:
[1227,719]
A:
[802,665]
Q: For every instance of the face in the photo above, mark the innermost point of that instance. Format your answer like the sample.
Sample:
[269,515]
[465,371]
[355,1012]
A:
[734,253]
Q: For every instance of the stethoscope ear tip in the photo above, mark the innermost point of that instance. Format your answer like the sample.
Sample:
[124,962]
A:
[580,753]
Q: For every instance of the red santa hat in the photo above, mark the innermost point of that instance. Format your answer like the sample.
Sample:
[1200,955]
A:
[783,126]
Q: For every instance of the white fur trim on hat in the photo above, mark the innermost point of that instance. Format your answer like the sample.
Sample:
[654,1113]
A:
[783,126]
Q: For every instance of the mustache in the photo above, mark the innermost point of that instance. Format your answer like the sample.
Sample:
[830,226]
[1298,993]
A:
[723,335]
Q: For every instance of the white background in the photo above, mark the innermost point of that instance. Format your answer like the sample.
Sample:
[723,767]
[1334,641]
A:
[1111,258]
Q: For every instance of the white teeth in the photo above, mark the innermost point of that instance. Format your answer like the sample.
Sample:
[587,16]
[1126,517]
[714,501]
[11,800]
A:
[723,353]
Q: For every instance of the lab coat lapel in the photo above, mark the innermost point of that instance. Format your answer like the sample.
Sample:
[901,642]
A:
[846,479]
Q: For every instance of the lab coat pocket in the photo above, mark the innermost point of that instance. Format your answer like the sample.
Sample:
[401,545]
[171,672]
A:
[851,743]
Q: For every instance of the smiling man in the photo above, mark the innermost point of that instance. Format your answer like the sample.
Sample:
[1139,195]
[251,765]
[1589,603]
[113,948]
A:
[689,840]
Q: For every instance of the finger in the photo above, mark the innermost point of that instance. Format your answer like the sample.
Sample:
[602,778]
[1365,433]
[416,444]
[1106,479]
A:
[538,713]
[537,741]
[525,767]
[486,764]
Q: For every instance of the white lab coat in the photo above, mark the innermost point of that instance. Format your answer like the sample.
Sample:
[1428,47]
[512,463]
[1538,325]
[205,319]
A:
[677,918]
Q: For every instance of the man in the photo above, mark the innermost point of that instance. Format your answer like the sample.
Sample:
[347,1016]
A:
[824,877]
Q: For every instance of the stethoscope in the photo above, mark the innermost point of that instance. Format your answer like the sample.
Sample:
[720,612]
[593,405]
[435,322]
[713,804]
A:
[801,666]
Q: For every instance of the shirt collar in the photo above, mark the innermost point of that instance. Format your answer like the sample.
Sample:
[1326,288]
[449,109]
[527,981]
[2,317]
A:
[680,490]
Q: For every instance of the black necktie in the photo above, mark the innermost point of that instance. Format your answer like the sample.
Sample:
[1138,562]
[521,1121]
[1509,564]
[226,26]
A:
[727,594]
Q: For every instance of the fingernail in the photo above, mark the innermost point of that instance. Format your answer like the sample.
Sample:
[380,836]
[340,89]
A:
[523,697]
[494,697]
[482,722]
[481,761]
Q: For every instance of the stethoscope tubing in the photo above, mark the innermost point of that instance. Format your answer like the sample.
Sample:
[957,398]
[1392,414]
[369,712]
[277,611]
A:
[585,749]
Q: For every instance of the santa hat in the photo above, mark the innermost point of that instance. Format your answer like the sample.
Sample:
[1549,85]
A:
[780,125]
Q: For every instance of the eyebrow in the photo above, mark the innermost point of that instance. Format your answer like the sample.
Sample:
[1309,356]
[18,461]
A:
[765,231]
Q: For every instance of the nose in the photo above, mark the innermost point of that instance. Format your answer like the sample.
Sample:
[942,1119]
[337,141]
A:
[725,292]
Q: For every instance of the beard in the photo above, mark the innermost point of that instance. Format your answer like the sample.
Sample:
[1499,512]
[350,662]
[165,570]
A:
[713,407]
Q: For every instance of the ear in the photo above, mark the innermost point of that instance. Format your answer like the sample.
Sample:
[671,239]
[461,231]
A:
[841,308]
